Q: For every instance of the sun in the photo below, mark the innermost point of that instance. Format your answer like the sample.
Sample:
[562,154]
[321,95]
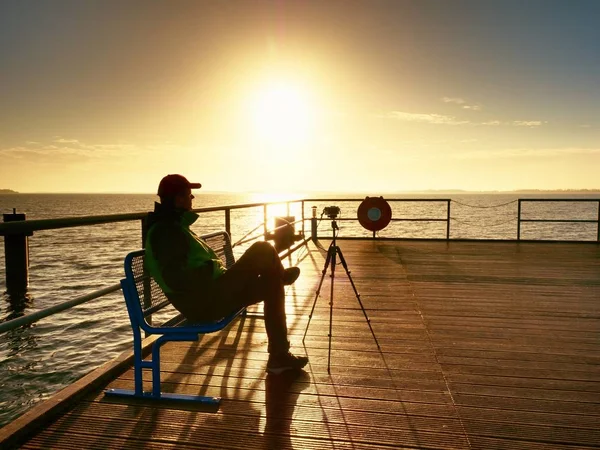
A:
[281,114]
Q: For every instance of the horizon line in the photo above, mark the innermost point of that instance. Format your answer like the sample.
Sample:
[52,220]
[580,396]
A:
[415,191]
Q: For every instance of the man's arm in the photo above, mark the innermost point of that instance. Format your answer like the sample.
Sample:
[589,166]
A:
[171,247]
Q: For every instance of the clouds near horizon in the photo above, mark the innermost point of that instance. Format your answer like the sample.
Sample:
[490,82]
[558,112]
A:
[401,95]
[442,119]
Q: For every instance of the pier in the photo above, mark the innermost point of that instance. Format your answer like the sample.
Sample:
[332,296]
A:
[484,345]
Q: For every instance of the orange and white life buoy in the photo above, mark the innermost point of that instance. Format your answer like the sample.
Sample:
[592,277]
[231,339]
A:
[374,213]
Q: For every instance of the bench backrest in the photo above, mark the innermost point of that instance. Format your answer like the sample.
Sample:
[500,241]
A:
[145,298]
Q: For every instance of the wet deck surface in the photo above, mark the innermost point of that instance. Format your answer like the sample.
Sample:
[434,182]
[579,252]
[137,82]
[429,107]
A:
[483,345]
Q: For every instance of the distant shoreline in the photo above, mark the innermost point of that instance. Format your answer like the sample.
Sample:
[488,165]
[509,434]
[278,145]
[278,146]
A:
[518,191]
[309,193]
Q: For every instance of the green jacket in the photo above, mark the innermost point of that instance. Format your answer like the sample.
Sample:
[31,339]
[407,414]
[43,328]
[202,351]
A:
[182,264]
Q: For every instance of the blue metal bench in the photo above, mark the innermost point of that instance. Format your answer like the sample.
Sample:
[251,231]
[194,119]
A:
[147,304]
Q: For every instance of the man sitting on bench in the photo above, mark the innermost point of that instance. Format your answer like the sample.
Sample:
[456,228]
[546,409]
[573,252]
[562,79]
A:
[201,288]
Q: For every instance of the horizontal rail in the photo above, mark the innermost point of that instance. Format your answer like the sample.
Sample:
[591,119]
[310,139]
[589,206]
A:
[419,220]
[294,248]
[26,226]
[244,239]
[386,199]
[559,199]
[287,223]
[35,316]
[443,239]
[346,219]
[561,220]
[520,219]
[445,201]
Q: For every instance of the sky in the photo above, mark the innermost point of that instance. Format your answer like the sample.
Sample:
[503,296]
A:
[294,96]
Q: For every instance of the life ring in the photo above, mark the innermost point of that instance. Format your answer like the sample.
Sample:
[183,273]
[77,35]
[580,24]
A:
[374,213]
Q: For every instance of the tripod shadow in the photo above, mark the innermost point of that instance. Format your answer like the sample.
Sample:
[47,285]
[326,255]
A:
[281,395]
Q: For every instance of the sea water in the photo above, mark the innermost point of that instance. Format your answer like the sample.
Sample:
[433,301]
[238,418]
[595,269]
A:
[38,360]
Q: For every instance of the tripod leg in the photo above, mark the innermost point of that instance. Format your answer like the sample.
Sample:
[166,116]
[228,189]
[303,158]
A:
[327,261]
[343,260]
[333,254]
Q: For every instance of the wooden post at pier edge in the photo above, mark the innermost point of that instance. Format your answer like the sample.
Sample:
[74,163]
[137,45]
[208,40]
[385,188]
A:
[16,256]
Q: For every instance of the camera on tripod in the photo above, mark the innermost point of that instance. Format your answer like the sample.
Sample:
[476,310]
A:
[331,211]
[333,252]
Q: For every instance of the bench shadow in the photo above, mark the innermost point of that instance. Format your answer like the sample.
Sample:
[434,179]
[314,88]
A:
[222,372]
[218,378]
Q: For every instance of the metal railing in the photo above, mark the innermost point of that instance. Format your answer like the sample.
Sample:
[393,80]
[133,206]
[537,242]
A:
[443,201]
[35,316]
[447,217]
[22,229]
[546,200]
[30,226]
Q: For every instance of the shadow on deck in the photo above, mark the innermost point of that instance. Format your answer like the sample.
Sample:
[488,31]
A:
[483,345]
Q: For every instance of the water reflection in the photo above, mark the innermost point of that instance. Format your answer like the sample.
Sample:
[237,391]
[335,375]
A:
[14,304]
[21,338]
[13,345]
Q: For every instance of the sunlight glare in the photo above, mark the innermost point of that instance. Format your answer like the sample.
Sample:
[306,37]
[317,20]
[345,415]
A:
[281,115]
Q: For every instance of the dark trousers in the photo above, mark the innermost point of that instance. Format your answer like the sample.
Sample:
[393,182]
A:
[256,276]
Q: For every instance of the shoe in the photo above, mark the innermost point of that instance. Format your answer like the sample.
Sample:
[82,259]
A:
[290,275]
[285,361]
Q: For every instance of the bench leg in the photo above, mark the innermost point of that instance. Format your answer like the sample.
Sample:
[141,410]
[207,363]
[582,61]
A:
[154,365]
[205,400]
[138,376]
[156,393]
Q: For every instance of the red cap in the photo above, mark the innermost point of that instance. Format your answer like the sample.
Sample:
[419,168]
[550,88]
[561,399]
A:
[174,184]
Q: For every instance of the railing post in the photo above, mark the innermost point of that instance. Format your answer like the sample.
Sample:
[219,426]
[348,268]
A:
[303,219]
[266,230]
[519,221]
[313,224]
[228,221]
[448,220]
[16,256]
[598,223]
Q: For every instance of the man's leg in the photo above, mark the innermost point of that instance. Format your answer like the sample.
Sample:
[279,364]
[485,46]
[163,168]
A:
[262,259]
[257,276]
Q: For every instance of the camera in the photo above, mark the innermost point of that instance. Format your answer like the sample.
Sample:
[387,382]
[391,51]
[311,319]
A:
[331,211]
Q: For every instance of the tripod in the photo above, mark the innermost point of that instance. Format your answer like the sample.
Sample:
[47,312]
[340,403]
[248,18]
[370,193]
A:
[332,253]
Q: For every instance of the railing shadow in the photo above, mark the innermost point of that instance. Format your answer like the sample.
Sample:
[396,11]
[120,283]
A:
[199,370]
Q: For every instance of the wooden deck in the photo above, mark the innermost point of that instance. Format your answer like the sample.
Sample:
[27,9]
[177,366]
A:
[483,345]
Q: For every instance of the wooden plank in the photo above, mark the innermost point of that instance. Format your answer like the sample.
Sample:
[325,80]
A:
[191,427]
[483,345]
[578,422]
